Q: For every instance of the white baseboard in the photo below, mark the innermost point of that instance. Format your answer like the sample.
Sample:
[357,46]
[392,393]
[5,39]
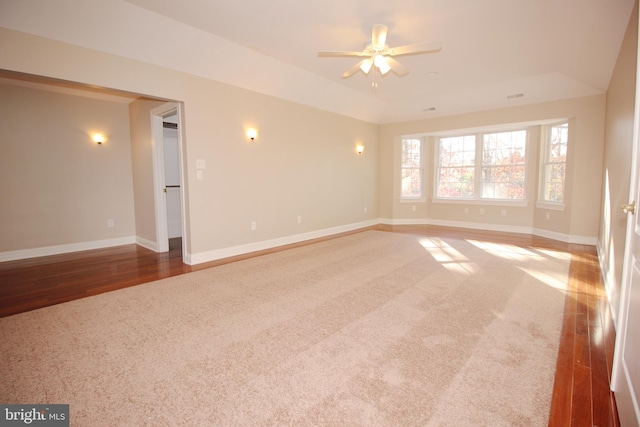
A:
[460,224]
[569,238]
[482,226]
[149,244]
[608,280]
[216,254]
[584,240]
[63,249]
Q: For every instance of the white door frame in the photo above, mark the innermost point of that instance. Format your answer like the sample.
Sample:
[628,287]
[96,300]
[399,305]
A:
[160,199]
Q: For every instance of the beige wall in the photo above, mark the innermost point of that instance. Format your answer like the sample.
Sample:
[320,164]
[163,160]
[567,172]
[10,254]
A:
[577,222]
[617,162]
[303,162]
[58,186]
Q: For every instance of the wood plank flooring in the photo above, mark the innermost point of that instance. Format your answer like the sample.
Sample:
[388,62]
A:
[39,282]
[581,395]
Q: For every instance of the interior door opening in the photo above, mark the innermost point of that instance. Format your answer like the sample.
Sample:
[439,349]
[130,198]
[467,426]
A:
[167,134]
[172,176]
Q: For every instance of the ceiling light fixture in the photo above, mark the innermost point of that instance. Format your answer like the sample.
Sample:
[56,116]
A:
[366,65]
[380,62]
[382,55]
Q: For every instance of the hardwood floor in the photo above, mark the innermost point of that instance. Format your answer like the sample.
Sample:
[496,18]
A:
[581,395]
[39,282]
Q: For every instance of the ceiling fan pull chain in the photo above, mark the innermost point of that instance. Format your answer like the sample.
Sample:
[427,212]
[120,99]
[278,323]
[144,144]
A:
[374,84]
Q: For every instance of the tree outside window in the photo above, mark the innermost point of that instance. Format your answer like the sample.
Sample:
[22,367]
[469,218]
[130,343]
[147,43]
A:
[555,163]
[493,170]
[503,165]
[456,167]
[412,164]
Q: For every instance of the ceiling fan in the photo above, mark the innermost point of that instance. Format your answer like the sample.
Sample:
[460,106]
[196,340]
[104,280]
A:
[379,54]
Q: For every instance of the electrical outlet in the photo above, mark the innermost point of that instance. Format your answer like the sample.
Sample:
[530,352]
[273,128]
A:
[413,208]
[254,226]
[111,223]
[466,210]
[503,212]
[481,211]
[365,209]
[299,219]
[547,215]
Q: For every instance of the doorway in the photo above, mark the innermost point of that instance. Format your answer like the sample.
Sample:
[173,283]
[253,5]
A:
[172,176]
[168,148]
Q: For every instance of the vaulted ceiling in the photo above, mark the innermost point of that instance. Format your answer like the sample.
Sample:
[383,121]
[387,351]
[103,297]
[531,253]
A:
[495,53]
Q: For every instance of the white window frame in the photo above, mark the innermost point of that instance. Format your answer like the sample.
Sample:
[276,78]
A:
[479,145]
[544,163]
[421,197]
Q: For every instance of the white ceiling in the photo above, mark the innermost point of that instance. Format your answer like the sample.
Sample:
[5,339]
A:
[491,49]
[544,49]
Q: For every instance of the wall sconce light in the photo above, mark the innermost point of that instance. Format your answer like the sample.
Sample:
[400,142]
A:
[98,138]
[360,149]
[252,134]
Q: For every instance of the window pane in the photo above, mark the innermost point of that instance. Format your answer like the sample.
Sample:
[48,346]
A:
[456,167]
[456,182]
[457,151]
[501,165]
[411,180]
[503,158]
[553,192]
[555,173]
[558,144]
[411,156]
[411,183]
[554,168]
[444,159]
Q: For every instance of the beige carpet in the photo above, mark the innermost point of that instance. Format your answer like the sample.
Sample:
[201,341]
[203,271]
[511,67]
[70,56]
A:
[371,329]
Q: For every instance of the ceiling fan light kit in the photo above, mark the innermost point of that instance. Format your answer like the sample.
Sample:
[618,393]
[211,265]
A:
[380,62]
[379,54]
[366,65]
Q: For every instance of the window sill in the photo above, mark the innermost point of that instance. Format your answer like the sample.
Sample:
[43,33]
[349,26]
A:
[412,200]
[550,206]
[487,202]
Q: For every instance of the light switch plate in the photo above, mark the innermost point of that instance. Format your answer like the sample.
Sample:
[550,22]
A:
[200,164]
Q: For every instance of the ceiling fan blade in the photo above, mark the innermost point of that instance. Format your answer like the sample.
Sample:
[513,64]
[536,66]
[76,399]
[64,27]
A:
[428,47]
[397,67]
[351,71]
[378,36]
[340,53]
